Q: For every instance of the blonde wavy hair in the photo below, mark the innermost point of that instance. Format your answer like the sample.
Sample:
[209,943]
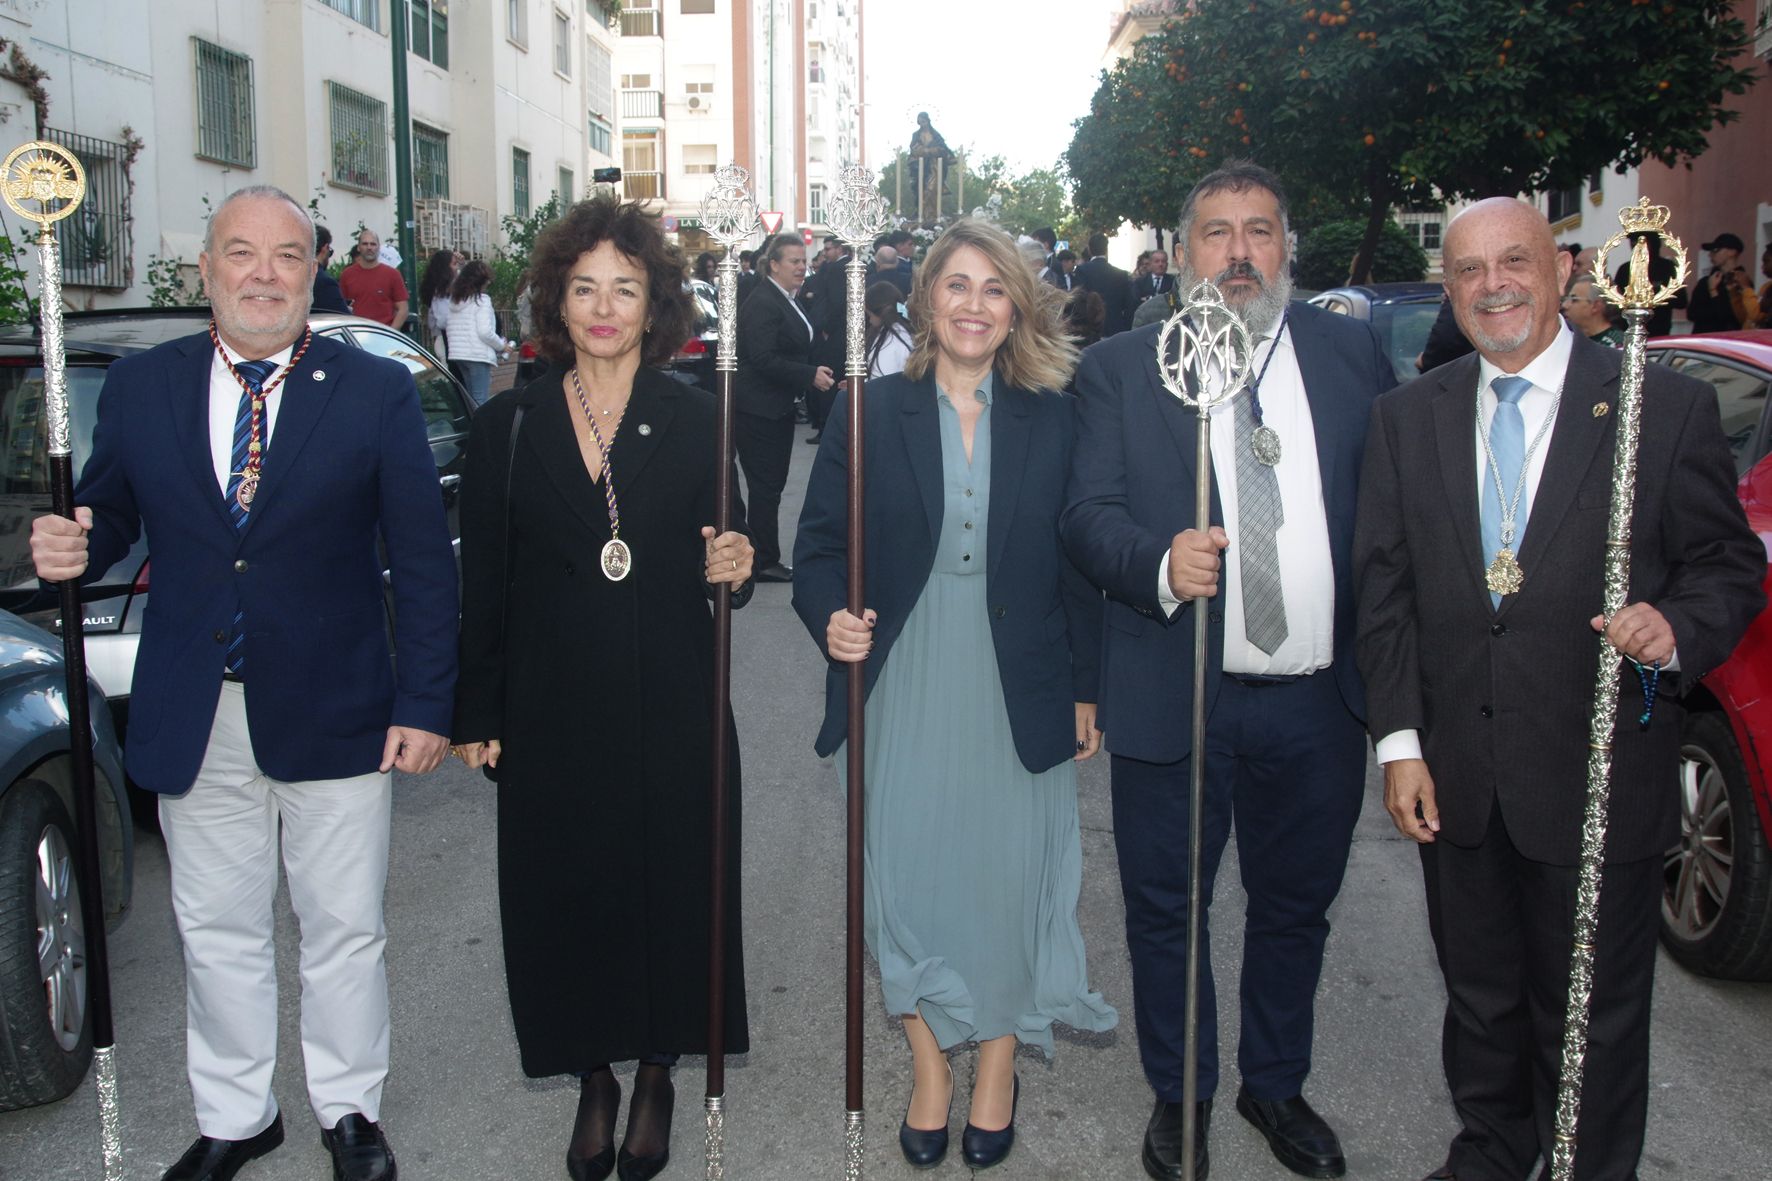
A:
[1039,354]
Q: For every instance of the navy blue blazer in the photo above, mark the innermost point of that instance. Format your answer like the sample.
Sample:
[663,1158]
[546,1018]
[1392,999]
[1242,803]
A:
[1045,619]
[1132,490]
[348,466]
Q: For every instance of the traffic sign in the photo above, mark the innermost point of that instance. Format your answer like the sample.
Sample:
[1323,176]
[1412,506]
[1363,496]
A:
[771,221]
[806,236]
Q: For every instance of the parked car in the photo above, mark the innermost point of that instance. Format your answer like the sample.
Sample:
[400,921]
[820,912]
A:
[694,362]
[116,599]
[1401,313]
[1716,906]
[45,1035]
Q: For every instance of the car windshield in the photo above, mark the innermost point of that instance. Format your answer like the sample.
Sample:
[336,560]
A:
[1403,329]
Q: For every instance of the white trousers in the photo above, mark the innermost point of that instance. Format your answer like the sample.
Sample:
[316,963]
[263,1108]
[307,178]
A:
[222,839]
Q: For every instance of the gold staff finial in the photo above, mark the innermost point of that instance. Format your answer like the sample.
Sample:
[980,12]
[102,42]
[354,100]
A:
[1639,221]
[46,175]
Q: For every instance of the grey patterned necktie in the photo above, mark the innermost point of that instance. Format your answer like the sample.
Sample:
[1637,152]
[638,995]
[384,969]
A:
[1259,517]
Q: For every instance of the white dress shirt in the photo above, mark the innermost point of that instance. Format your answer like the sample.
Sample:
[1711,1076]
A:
[795,304]
[1307,570]
[224,411]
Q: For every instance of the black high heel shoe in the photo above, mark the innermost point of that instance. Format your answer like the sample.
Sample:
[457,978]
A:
[983,1149]
[596,1101]
[924,1149]
[650,1102]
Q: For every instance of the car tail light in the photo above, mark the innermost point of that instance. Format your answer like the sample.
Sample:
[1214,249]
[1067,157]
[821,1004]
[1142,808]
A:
[141,579]
[527,352]
[695,346]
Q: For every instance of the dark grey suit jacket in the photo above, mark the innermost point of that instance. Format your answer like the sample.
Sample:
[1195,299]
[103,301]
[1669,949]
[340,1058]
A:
[1502,697]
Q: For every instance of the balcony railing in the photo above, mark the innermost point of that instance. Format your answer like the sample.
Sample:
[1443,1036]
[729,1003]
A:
[642,186]
[639,22]
[642,104]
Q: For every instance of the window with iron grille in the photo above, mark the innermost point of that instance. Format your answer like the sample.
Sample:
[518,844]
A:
[430,162]
[95,240]
[599,84]
[364,12]
[640,18]
[224,106]
[359,140]
[520,182]
[601,138]
[562,43]
[428,30]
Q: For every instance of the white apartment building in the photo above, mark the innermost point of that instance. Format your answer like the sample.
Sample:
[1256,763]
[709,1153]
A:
[172,104]
[774,85]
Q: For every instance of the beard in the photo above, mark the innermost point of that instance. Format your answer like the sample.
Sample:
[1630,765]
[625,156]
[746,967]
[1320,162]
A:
[281,325]
[1500,344]
[1259,311]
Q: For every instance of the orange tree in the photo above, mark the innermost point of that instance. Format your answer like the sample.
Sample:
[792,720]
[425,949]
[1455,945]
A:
[1360,105]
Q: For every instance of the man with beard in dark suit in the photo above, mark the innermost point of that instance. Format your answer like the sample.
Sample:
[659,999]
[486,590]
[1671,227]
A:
[1285,746]
[1479,554]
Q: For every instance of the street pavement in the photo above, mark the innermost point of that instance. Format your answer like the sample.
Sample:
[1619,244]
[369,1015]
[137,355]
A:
[457,1107]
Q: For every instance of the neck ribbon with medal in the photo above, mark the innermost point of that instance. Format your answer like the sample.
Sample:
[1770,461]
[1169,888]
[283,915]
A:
[255,450]
[1264,440]
[1504,576]
[617,559]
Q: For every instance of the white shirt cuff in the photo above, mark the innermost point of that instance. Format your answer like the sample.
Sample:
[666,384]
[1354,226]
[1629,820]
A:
[1165,597]
[1399,744]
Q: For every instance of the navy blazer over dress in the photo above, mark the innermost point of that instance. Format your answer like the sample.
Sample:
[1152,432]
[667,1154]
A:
[1045,620]
[348,465]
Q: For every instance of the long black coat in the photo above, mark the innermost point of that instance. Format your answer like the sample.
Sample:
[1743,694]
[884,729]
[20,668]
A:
[601,694]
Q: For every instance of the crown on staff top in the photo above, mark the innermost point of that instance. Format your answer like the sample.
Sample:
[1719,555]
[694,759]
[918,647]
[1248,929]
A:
[1644,218]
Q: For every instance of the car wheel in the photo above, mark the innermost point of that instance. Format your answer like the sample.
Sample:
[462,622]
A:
[1716,901]
[45,1038]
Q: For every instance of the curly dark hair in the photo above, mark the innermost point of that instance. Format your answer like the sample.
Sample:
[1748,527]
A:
[631,230]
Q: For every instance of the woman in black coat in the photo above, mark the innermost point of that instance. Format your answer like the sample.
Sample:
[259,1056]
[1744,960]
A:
[586,682]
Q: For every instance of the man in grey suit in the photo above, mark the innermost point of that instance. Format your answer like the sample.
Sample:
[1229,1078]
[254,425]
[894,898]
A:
[1478,556]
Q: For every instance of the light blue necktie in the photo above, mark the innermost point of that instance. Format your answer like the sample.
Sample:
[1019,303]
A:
[255,373]
[1507,441]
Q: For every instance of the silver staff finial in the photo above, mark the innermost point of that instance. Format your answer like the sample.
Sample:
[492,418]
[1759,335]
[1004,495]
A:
[1211,346]
[857,211]
[729,211]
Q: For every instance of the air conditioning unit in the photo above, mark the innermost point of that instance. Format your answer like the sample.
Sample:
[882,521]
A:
[701,102]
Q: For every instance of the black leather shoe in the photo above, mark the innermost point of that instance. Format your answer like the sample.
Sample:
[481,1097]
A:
[922,1148]
[1301,1139]
[1443,1173]
[359,1150]
[210,1159]
[780,572]
[983,1149]
[1163,1143]
[815,437]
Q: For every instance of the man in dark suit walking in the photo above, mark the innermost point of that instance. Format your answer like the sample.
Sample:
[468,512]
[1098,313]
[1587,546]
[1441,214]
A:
[1114,286]
[1500,463]
[1155,281]
[267,463]
[1285,755]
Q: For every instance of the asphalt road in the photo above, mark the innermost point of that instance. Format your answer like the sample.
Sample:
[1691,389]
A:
[458,1108]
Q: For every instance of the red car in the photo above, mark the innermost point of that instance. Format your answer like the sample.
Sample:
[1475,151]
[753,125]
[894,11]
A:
[1716,907]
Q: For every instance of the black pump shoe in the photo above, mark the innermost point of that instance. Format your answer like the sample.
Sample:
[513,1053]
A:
[983,1149]
[925,1149]
[632,1167]
[601,1163]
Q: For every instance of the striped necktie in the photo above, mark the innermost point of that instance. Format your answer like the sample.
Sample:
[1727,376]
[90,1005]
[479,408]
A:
[255,374]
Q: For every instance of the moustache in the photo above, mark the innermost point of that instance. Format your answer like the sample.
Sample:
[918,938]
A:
[1241,270]
[1501,299]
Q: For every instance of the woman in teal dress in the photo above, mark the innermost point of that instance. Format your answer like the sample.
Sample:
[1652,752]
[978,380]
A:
[982,645]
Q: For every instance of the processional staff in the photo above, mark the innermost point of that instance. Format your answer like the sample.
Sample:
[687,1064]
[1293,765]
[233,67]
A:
[1638,300]
[729,214]
[43,182]
[857,215]
[1203,357]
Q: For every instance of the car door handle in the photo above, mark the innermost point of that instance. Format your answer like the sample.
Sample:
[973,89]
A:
[449,481]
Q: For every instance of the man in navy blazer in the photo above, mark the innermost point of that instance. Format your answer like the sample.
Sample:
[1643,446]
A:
[266,463]
[1285,755]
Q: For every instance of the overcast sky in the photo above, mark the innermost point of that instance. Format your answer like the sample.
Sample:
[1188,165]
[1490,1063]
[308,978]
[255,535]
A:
[1003,76]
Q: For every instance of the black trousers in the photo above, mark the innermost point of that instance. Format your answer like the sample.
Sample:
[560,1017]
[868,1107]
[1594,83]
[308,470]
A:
[764,445]
[1502,928]
[1285,767]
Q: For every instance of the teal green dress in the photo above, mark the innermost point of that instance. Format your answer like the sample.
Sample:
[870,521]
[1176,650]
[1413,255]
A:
[973,863]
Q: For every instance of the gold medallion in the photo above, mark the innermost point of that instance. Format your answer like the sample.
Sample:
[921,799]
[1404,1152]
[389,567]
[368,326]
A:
[1505,576]
[618,560]
[247,490]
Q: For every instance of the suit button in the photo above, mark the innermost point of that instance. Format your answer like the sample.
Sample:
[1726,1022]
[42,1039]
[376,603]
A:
[1498,629]
[571,570]
[1487,711]
[240,566]
[221,637]
[1214,617]
[999,612]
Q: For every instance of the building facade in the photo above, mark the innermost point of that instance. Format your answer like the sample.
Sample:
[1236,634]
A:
[174,104]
